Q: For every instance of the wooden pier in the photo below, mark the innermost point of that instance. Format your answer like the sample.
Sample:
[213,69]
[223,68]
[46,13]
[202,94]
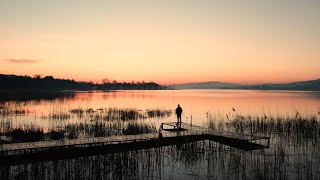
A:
[241,141]
[170,134]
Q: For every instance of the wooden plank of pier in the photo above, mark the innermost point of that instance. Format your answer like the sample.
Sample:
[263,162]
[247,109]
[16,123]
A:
[20,153]
[220,136]
[178,134]
[90,141]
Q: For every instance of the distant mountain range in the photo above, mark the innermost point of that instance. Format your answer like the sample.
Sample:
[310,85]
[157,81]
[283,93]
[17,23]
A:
[206,85]
[300,85]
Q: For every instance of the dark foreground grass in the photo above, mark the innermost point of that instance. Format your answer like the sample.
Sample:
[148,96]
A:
[197,160]
[74,131]
[296,129]
[29,135]
[139,128]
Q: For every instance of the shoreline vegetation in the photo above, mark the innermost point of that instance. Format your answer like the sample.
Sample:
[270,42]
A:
[14,84]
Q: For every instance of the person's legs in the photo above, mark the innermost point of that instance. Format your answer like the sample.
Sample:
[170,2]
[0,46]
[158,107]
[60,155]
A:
[179,120]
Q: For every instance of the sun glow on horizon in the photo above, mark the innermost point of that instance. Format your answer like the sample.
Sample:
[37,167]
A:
[167,42]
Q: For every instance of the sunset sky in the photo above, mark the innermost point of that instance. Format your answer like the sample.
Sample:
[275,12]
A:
[166,41]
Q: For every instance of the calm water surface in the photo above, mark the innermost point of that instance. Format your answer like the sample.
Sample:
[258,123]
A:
[293,153]
[195,103]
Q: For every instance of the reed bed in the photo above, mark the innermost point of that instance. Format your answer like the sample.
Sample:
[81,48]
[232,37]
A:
[289,126]
[77,122]
[76,130]
[197,160]
[55,135]
[6,112]
[158,113]
[139,128]
[121,114]
[294,144]
[26,135]
[100,128]
[58,116]
[14,108]
[58,113]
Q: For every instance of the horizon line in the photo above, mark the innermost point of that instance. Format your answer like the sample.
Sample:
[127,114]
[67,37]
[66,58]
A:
[168,84]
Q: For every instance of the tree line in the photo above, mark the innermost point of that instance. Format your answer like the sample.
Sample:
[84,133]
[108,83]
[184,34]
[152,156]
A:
[49,82]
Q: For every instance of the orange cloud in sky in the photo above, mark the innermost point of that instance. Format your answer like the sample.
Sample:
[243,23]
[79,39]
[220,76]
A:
[19,61]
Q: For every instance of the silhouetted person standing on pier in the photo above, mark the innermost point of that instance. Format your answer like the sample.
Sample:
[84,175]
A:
[179,112]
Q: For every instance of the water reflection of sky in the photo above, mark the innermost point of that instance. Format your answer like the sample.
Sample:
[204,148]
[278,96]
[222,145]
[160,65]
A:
[198,102]
[292,154]
[195,103]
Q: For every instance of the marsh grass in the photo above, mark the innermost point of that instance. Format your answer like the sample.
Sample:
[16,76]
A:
[120,114]
[76,130]
[14,108]
[77,122]
[169,162]
[294,143]
[16,112]
[5,126]
[57,113]
[58,116]
[55,135]
[158,113]
[304,126]
[197,160]
[296,125]
[123,114]
[294,151]
[91,129]
[79,112]
[72,132]
[102,128]
[29,135]
[139,128]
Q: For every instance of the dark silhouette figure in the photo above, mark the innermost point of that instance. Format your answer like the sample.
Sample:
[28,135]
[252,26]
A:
[179,112]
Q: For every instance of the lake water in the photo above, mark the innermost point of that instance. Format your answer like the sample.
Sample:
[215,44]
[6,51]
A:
[195,103]
[289,118]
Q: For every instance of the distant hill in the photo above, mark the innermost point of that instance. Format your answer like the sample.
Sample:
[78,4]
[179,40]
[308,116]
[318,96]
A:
[207,85]
[13,82]
[300,85]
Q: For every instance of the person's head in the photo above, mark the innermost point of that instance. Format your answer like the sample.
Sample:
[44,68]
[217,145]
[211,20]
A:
[178,105]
